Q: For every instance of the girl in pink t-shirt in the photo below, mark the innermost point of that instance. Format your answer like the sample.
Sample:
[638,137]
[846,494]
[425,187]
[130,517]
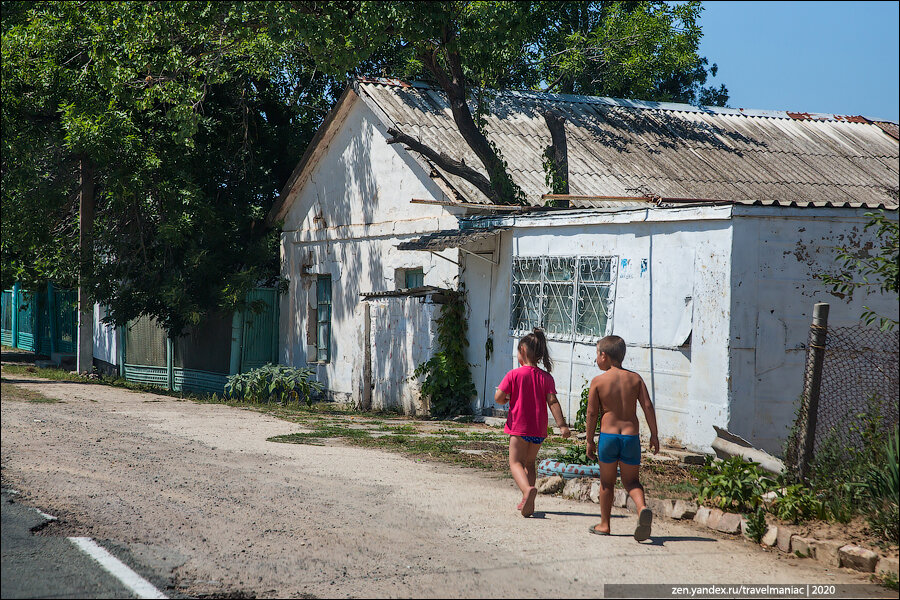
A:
[529,391]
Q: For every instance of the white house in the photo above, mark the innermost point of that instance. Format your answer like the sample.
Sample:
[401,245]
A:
[695,233]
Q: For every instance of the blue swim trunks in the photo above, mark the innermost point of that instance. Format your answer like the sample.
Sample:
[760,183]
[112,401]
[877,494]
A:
[533,439]
[615,447]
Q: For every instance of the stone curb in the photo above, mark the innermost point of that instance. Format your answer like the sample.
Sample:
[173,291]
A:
[832,553]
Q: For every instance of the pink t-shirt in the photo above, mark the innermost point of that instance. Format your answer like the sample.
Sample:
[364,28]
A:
[527,388]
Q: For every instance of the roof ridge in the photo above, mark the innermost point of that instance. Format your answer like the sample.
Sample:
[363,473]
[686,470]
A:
[649,104]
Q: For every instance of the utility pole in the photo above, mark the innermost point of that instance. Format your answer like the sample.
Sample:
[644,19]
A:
[85,352]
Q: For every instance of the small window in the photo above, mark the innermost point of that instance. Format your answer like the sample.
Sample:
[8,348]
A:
[323,318]
[414,278]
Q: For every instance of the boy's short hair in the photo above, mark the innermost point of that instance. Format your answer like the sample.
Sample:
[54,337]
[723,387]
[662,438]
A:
[614,346]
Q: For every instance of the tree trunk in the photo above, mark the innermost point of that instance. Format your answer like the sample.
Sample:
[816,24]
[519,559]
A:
[502,186]
[85,351]
[558,154]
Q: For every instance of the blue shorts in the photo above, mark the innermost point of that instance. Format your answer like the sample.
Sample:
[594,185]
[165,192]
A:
[532,439]
[615,447]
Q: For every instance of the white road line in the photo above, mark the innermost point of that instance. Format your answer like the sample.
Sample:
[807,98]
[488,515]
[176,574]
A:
[46,516]
[134,582]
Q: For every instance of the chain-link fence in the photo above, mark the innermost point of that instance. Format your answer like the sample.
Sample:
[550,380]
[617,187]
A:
[850,392]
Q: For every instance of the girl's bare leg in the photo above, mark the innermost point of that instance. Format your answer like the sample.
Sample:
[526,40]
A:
[521,455]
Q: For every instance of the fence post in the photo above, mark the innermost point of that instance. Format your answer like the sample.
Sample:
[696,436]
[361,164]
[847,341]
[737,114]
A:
[815,355]
[170,364]
[15,316]
[51,318]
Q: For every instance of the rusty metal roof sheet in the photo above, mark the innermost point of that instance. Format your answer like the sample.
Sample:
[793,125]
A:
[627,148]
[447,238]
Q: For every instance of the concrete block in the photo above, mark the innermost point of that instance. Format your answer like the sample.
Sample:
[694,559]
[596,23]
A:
[684,509]
[783,540]
[620,497]
[855,557]
[660,506]
[827,552]
[715,515]
[630,505]
[890,566]
[550,485]
[770,537]
[729,523]
[577,489]
[802,546]
[702,516]
[595,491]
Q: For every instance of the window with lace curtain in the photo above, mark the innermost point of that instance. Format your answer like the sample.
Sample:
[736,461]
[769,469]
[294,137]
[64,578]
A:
[568,296]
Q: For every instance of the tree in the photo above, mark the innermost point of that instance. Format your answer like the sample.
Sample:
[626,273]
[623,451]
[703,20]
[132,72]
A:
[191,114]
[858,269]
[646,50]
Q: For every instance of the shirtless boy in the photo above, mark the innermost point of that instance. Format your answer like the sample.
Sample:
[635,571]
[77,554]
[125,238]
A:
[616,393]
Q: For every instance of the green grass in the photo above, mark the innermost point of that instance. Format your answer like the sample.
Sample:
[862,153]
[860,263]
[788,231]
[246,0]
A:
[51,373]
[13,392]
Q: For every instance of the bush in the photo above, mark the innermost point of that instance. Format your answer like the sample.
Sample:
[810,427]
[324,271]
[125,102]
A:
[581,415]
[796,503]
[733,484]
[756,524]
[273,383]
[576,455]
[448,381]
[882,489]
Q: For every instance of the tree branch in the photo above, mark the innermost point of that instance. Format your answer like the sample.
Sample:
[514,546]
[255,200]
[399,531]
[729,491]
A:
[454,167]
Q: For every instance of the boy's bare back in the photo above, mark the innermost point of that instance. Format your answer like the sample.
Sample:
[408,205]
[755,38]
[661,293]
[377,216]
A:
[618,392]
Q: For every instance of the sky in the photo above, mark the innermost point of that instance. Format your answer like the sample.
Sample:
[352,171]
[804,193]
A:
[825,57]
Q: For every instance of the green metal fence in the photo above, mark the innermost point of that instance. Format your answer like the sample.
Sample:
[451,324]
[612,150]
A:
[41,321]
[202,359]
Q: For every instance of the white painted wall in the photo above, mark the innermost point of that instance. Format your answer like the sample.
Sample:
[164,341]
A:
[402,331]
[345,219]
[777,254]
[688,256]
[106,339]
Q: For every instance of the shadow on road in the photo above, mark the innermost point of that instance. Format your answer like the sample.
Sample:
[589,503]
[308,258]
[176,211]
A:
[540,514]
[53,381]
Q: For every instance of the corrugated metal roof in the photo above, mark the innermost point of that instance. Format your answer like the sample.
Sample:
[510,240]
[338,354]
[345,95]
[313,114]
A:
[447,238]
[627,148]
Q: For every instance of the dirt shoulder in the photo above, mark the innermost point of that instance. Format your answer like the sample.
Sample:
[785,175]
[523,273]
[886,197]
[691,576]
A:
[197,491]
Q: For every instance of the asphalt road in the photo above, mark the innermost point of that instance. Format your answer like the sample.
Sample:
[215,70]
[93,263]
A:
[46,566]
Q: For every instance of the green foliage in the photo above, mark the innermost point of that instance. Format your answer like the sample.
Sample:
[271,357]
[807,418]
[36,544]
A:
[273,383]
[448,381]
[756,524]
[555,180]
[581,415]
[576,455]
[645,50]
[190,115]
[876,272]
[796,503]
[733,484]
[882,486]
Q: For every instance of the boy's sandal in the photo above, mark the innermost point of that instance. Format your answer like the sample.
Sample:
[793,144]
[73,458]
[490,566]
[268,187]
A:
[593,529]
[645,519]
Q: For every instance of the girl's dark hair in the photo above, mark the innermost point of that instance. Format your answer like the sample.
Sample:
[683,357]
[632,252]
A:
[534,346]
